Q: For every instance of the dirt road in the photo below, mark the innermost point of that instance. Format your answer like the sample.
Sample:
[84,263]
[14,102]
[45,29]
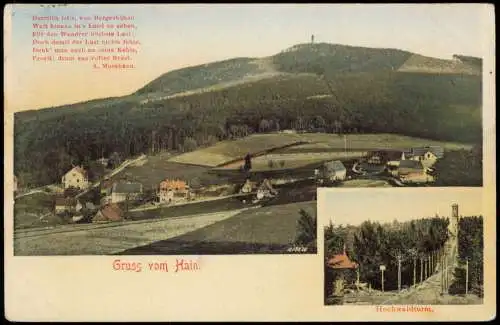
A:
[111,238]
[428,292]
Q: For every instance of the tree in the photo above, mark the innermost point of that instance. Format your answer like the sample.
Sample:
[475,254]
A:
[282,163]
[459,168]
[248,163]
[270,163]
[189,144]
[264,125]
[115,160]
[306,229]
[319,121]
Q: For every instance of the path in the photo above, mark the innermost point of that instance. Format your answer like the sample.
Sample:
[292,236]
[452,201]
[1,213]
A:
[33,191]
[124,165]
[428,292]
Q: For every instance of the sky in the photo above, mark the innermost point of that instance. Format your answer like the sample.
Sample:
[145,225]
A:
[174,36]
[356,205]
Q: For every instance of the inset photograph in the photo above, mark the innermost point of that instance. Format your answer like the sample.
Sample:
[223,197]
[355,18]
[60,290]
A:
[402,247]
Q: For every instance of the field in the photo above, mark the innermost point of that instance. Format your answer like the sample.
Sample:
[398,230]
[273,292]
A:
[28,211]
[110,238]
[227,151]
[230,154]
[159,167]
[269,229]
[319,142]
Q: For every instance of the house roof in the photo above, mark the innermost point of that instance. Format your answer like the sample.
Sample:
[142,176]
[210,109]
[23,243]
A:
[438,151]
[90,206]
[123,187]
[112,212]
[78,169]
[341,261]
[412,164]
[335,165]
[388,155]
[173,184]
[266,185]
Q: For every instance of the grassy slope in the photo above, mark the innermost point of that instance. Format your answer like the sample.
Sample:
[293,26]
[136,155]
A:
[158,168]
[225,151]
[28,209]
[230,150]
[201,76]
[266,230]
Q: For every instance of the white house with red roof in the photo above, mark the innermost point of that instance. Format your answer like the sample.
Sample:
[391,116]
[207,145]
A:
[77,177]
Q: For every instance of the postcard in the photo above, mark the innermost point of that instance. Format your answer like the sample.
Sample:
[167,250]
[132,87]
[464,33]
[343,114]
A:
[161,156]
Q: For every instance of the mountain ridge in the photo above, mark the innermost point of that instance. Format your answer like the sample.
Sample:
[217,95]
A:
[318,58]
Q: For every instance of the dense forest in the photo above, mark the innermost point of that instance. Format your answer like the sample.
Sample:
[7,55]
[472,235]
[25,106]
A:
[372,244]
[471,249]
[319,88]
[460,168]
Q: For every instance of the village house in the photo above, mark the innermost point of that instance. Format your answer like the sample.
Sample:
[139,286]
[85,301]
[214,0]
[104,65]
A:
[341,267]
[77,177]
[171,191]
[109,212]
[429,153]
[123,191]
[65,204]
[265,190]
[391,157]
[248,187]
[332,171]
[84,211]
[413,171]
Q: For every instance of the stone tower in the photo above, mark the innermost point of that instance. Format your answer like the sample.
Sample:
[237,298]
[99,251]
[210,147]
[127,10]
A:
[454,219]
[312,39]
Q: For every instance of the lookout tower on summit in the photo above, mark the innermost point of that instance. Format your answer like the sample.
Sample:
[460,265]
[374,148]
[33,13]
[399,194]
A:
[312,39]
[455,218]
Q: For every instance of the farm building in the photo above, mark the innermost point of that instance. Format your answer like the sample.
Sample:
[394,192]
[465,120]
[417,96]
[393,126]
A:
[341,268]
[83,212]
[173,191]
[248,187]
[110,212]
[425,153]
[265,190]
[123,191]
[332,171]
[413,171]
[77,177]
[385,156]
[64,204]
[85,206]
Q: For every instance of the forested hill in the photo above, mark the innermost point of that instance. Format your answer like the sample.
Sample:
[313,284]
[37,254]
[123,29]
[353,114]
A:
[322,85]
[320,58]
